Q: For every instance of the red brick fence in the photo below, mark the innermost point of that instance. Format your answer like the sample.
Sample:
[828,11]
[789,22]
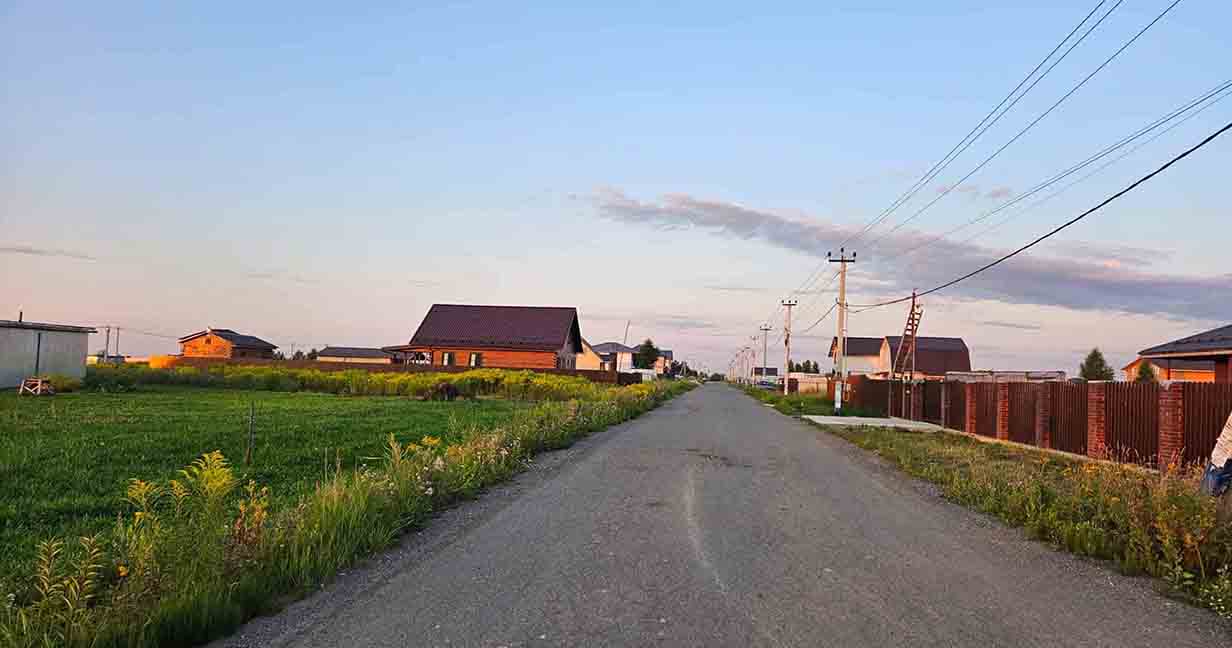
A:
[1141,423]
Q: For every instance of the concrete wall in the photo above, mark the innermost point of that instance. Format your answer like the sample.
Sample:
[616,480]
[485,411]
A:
[56,352]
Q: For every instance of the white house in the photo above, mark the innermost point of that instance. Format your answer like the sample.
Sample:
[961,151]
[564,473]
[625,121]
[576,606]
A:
[615,355]
[29,349]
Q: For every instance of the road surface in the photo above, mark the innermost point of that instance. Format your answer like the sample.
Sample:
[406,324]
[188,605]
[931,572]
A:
[715,521]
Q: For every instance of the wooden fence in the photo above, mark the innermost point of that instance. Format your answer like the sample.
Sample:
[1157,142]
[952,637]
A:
[1206,409]
[1131,415]
[1067,425]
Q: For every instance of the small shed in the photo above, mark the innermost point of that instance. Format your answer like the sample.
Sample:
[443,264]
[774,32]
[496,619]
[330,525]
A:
[38,349]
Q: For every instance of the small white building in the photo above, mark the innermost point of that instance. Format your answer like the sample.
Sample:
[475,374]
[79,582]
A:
[29,349]
[355,355]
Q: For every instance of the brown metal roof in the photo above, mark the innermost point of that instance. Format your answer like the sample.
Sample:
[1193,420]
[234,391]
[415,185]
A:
[1213,342]
[858,346]
[541,328]
[934,356]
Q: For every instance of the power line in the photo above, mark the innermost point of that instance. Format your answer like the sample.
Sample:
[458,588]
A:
[968,140]
[1054,231]
[1125,141]
[819,320]
[1030,125]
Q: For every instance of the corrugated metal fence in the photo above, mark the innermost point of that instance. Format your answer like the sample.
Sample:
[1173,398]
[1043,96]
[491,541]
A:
[932,400]
[1068,423]
[1022,412]
[1207,406]
[956,415]
[984,400]
[1131,413]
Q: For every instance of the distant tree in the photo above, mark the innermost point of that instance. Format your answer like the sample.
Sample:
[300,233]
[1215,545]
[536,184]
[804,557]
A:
[1146,374]
[279,355]
[312,354]
[676,368]
[810,366]
[718,377]
[1095,367]
[646,355]
[299,355]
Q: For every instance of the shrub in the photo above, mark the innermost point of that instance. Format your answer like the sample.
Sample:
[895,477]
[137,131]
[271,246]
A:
[64,384]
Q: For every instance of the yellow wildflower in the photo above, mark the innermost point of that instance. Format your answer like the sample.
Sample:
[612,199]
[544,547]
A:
[431,441]
[122,570]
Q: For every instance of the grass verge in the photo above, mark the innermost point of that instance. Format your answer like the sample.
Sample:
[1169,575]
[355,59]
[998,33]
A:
[1145,522]
[802,404]
[66,461]
[198,555]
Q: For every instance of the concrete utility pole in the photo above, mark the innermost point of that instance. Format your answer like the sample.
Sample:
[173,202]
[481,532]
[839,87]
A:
[765,344]
[753,354]
[788,304]
[107,345]
[842,260]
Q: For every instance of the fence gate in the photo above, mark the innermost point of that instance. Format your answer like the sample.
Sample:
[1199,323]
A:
[1022,412]
[932,400]
[1131,412]
[956,415]
[1207,406]
[1068,423]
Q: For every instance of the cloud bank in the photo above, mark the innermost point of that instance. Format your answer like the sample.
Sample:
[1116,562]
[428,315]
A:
[45,252]
[1086,276]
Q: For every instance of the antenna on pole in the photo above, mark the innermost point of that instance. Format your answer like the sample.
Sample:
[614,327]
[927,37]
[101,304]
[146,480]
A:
[627,323]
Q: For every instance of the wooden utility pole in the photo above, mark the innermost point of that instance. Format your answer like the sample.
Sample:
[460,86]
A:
[788,304]
[841,350]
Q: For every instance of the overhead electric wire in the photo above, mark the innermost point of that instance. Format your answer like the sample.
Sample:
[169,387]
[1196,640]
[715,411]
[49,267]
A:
[1108,150]
[1029,126]
[819,320]
[1210,138]
[1101,167]
[984,124]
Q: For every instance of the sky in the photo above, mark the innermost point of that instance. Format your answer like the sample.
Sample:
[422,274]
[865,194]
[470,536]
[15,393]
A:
[316,174]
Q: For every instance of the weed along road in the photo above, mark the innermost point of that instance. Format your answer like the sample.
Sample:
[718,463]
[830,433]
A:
[715,521]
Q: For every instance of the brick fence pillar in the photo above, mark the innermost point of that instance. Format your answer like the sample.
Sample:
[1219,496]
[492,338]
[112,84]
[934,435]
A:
[1097,424]
[1043,415]
[1003,411]
[969,425]
[917,401]
[1171,424]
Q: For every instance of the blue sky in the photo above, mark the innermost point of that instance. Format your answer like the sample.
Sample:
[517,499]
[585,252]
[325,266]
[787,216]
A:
[316,174]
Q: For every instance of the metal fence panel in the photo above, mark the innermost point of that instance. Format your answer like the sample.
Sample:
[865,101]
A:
[1207,406]
[956,415]
[1022,412]
[1132,422]
[932,401]
[985,404]
[1068,423]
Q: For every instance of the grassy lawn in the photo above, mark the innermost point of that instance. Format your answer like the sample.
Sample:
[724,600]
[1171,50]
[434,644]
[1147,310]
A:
[794,404]
[65,461]
[1145,522]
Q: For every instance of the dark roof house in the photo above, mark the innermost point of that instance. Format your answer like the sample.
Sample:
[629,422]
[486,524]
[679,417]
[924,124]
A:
[543,328]
[1214,346]
[240,340]
[612,347]
[935,355]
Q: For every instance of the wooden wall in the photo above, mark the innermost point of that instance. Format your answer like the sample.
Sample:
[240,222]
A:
[500,358]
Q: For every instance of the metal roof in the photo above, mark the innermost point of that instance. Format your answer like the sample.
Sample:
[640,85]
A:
[541,328]
[353,352]
[238,339]
[612,347]
[858,346]
[1213,342]
[43,326]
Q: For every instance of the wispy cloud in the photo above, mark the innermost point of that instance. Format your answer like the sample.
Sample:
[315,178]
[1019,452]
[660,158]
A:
[997,193]
[1018,326]
[734,288]
[281,276]
[424,283]
[1099,280]
[46,252]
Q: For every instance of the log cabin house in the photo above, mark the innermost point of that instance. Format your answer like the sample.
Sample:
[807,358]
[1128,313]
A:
[225,343]
[508,337]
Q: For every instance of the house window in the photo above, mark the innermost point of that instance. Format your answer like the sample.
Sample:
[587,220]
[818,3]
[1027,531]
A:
[447,358]
[476,360]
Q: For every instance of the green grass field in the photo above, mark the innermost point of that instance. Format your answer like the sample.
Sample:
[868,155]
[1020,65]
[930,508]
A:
[65,461]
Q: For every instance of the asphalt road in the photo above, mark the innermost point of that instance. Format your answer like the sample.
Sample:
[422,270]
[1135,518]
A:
[715,521]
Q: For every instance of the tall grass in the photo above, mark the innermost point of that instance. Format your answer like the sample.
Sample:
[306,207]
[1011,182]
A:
[197,555]
[1147,523]
[521,385]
